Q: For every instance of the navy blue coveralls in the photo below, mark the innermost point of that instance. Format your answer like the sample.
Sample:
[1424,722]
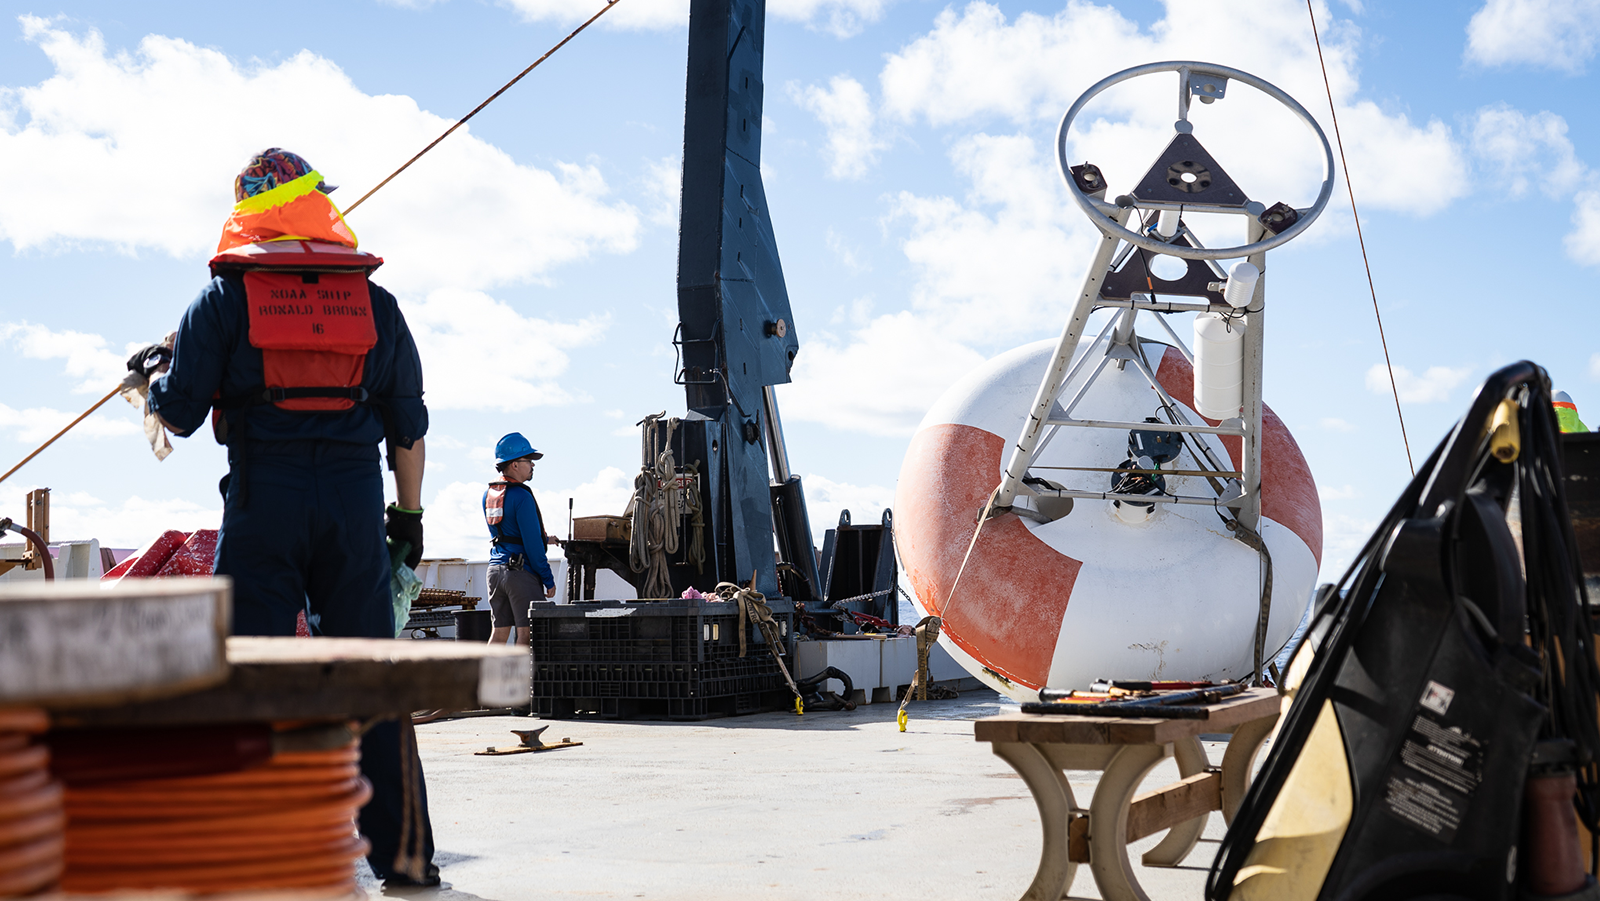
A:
[303,521]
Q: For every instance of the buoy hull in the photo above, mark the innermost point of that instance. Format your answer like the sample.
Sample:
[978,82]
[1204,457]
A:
[1091,595]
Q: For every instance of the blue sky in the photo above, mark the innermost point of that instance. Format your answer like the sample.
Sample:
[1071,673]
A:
[909,169]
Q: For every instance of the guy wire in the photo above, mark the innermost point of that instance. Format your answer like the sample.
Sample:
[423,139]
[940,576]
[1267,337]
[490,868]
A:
[348,210]
[503,89]
[1360,239]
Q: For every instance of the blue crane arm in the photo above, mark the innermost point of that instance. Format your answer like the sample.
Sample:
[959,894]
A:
[736,331]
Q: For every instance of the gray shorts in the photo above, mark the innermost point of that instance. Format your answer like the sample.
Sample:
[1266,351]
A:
[510,593]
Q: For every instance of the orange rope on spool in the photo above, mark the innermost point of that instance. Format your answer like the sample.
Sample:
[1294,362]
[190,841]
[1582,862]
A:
[31,817]
[288,824]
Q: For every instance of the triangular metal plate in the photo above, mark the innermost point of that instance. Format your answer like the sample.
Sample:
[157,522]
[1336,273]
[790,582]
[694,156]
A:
[1135,277]
[1166,181]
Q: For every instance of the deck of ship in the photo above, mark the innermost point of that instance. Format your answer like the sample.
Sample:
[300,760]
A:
[832,805]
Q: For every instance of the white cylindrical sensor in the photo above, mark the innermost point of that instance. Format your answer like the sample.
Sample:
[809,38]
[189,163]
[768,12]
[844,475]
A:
[1241,287]
[1218,365]
[1167,223]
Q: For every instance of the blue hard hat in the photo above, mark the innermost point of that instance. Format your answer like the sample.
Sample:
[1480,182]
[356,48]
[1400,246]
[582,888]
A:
[514,447]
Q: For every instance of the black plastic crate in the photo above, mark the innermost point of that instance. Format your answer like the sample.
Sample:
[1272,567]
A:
[672,708]
[644,688]
[683,631]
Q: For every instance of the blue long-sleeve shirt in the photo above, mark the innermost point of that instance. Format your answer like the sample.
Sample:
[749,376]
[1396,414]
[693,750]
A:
[212,355]
[521,532]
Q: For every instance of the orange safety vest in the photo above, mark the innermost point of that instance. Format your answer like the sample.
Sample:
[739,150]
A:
[494,513]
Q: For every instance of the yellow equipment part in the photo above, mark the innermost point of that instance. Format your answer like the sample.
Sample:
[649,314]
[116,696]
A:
[1306,825]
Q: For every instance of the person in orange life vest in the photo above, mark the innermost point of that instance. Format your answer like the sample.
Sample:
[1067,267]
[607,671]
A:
[518,570]
[306,367]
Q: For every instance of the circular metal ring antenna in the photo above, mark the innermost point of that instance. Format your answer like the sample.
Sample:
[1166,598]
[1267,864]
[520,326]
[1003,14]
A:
[1099,212]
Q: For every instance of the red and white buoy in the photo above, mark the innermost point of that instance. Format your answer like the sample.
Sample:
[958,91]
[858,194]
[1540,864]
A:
[1117,508]
[1089,595]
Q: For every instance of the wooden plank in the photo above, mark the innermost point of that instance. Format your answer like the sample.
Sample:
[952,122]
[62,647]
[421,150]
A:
[1170,805]
[523,749]
[1253,704]
[335,678]
[75,643]
[1226,715]
[995,729]
[1078,838]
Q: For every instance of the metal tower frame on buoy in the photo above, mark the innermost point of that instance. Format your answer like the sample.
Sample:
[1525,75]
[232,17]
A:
[1184,179]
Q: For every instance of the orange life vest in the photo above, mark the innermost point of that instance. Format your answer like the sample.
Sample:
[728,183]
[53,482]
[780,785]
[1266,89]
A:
[494,513]
[311,315]
[494,504]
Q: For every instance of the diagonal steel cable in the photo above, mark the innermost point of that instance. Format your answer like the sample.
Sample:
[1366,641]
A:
[1361,239]
[463,120]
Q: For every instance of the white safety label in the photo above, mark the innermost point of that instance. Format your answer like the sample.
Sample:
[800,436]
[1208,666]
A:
[504,681]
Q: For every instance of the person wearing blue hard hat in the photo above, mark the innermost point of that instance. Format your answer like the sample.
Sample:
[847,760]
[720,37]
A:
[519,574]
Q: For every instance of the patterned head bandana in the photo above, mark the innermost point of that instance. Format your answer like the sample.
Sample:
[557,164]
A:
[269,169]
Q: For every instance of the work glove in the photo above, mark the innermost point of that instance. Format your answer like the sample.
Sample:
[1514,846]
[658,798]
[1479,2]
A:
[405,526]
[150,360]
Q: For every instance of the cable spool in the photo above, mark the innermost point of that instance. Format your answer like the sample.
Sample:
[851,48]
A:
[31,817]
[288,824]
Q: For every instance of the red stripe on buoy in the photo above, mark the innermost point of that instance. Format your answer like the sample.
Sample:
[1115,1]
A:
[1013,594]
[1288,492]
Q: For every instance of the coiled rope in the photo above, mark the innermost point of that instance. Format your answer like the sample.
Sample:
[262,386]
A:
[662,500]
[655,509]
[289,824]
[31,815]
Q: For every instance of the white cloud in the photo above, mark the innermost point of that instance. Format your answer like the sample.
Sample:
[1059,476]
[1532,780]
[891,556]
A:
[1335,424]
[77,516]
[1342,538]
[643,14]
[1583,242]
[663,186]
[974,64]
[607,494]
[462,335]
[453,525]
[1552,34]
[1519,146]
[1342,493]
[35,424]
[881,379]
[825,498]
[845,110]
[846,254]
[842,18]
[81,147]
[86,355]
[993,268]
[1432,386]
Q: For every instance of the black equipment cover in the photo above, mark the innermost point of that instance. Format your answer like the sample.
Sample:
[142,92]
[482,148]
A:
[1421,656]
